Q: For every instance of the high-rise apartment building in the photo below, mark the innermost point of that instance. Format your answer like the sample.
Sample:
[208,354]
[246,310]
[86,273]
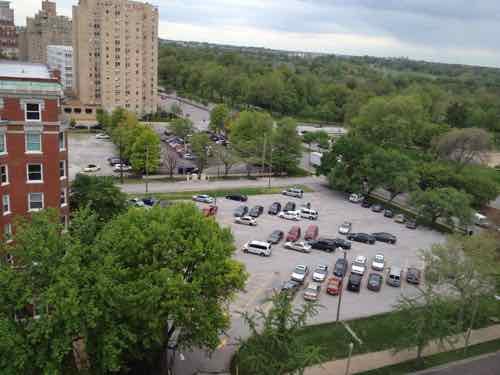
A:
[115,49]
[46,28]
[8,31]
[61,58]
[33,144]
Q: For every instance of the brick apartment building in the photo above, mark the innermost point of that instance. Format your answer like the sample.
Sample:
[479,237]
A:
[33,143]
[8,31]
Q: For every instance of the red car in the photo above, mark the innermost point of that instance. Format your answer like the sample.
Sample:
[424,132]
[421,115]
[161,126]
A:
[311,232]
[334,286]
[210,210]
[294,234]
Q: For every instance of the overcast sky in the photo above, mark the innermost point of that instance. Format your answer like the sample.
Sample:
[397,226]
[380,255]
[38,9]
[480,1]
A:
[454,31]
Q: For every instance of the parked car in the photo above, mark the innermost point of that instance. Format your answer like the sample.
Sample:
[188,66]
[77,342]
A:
[115,160]
[374,282]
[293,192]
[361,237]
[320,273]
[394,277]
[258,247]
[311,233]
[366,203]
[276,236]
[136,202]
[334,285]
[378,262]
[289,215]
[345,227]
[413,275]
[293,234]
[411,224]
[354,282]
[256,211]
[308,213]
[340,268]
[240,211]
[301,246]
[246,220]
[203,198]
[290,287]
[122,168]
[91,168]
[385,237]
[340,242]
[289,206]
[311,293]
[325,244]
[237,197]
[377,208]
[400,218]
[102,136]
[274,209]
[359,265]
[188,156]
[356,198]
[388,213]
[150,201]
[300,273]
[210,210]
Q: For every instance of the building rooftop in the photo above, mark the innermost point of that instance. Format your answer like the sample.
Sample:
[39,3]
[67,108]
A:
[16,69]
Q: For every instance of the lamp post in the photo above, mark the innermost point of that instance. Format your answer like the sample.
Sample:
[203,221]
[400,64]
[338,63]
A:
[348,364]
[147,169]
[341,290]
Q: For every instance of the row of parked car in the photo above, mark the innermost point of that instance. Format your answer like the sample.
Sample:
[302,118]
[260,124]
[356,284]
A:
[410,223]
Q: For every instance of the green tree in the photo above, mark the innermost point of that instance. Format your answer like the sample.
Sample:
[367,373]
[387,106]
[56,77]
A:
[182,127]
[227,156]
[145,151]
[200,145]
[167,276]
[445,203]
[456,115]
[425,317]
[99,194]
[402,176]
[219,116]
[274,347]
[286,146]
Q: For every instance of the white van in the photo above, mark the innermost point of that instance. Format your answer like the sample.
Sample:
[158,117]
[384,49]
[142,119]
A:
[293,192]
[481,220]
[258,247]
[394,278]
[308,213]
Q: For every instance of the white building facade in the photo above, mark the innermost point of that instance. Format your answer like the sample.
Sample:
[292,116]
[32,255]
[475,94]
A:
[61,58]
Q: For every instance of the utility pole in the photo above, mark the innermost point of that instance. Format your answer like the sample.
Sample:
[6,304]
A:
[147,168]
[121,156]
[264,155]
[348,365]
[341,289]
[270,167]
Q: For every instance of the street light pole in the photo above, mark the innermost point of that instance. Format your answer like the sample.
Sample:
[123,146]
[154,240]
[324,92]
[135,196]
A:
[121,156]
[348,364]
[147,169]
[341,289]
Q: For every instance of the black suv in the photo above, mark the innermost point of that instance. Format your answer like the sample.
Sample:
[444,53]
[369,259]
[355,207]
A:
[274,209]
[325,244]
[361,237]
[385,237]
[237,197]
[340,242]
[256,211]
[340,267]
[354,283]
[240,211]
[290,206]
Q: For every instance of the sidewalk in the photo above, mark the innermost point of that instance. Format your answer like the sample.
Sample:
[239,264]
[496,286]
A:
[371,361]
[167,187]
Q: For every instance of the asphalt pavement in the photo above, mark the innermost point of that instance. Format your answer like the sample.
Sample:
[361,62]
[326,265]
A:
[488,364]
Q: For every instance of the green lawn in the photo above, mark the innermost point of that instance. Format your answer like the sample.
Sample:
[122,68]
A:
[223,192]
[437,359]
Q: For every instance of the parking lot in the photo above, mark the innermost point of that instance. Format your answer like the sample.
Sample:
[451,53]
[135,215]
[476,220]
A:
[268,273]
[85,149]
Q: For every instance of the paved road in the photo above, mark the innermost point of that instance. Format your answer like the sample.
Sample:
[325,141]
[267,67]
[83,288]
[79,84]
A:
[488,364]
[200,117]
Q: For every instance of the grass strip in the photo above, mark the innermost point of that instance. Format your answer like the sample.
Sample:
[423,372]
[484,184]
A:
[219,193]
[437,359]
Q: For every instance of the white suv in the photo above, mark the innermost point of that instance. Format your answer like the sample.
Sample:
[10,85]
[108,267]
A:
[293,192]
[359,265]
[258,247]
[246,220]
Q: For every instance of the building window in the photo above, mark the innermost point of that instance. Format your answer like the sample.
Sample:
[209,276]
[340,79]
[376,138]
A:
[64,197]
[35,173]
[33,142]
[77,110]
[3,143]
[67,110]
[88,111]
[62,141]
[62,169]
[33,112]
[6,204]
[35,201]
[7,232]
[4,175]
